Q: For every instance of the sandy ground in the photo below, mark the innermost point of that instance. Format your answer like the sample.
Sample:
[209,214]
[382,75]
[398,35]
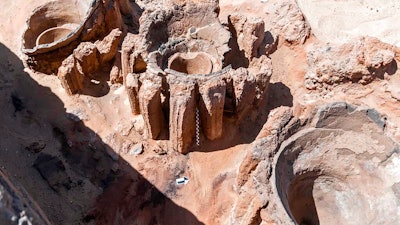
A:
[339,21]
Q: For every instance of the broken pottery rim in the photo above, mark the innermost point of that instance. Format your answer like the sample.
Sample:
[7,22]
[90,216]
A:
[46,32]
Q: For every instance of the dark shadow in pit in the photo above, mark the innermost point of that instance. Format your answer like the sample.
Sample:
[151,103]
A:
[392,68]
[279,95]
[269,44]
[301,199]
[97,86]
[389,69]
[296,190]
[128,198]
[236,58]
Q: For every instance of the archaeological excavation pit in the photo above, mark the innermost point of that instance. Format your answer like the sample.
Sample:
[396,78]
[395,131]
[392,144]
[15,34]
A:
[189,88]
[177,68]
[141,94]
[341,171]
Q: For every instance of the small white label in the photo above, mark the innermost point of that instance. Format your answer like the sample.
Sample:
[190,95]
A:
[182,180]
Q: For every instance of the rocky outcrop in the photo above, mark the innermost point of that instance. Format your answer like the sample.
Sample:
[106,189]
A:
[362,61]
[256,170]
[174,19]
[86,56]
[108,47]
[116,75]
[250,34]
[280,125]
[261,70]
[132,85]
[87,59]
[244,89]
[71,79]
[285,20]
[127,51]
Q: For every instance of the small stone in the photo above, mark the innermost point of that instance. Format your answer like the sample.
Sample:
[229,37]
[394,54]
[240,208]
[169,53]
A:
[159,150]
[115,168]
[77,115]
[394,90]
[36,147]
[138,124]
[136,149]
[97,155]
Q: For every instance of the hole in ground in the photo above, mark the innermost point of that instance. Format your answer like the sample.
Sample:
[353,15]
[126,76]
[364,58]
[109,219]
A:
[191,63]
[301,199]
[338,174]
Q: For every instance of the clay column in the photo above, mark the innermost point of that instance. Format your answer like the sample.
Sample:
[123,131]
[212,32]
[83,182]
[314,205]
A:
[211,107]
[182,126]
[150,106]
[132,86]
[244,86]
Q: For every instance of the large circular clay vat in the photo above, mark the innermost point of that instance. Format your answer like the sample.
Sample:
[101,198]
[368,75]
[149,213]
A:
[182,57]
[54,34]
[342,171]
[56,24]
[191,63]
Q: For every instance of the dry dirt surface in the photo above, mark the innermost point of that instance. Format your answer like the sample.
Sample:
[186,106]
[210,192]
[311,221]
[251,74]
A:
[275,112]
[340,21]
